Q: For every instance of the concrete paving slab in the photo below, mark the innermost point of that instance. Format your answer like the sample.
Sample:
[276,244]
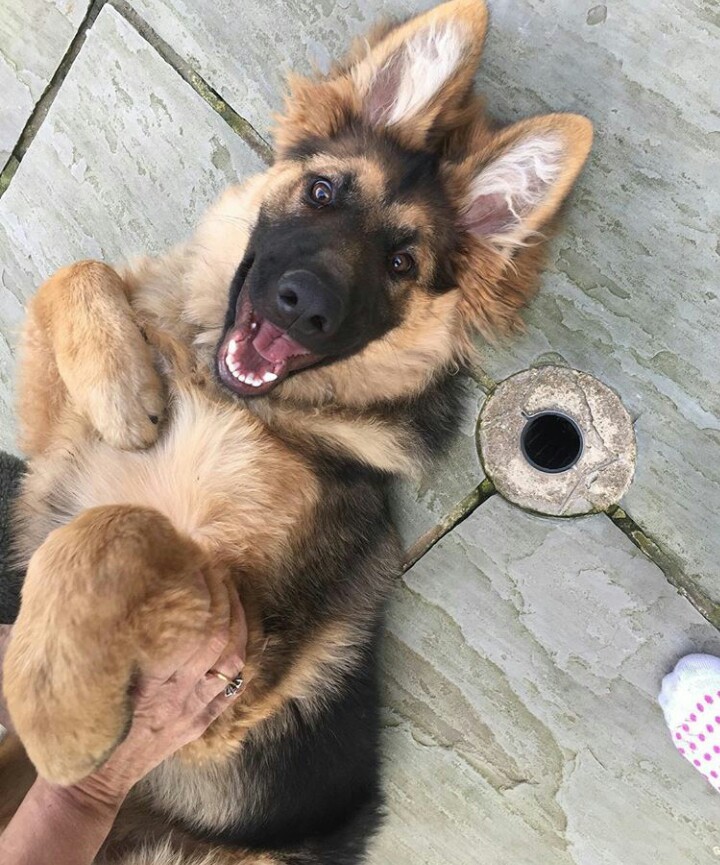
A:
[245,53]
[522,663]
[419,506]
[34,36]
[126,161]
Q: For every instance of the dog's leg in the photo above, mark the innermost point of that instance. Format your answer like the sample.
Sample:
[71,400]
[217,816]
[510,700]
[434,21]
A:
[108,596]
[140,838]
[167,854]
[83,356]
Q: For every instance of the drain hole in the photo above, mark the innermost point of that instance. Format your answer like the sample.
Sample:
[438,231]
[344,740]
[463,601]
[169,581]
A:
[551,442]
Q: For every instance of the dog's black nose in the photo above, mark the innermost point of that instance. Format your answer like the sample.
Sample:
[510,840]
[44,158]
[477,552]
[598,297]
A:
[307,306]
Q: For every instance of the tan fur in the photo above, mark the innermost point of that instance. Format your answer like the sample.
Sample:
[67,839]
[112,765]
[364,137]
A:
[123,584]
[139,839]
[167,853]
[115,534]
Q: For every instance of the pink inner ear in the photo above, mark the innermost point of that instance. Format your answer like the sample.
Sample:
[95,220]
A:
[489,214]
[384,89]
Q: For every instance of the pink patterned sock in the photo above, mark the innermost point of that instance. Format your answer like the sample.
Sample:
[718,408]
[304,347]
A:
[690,699]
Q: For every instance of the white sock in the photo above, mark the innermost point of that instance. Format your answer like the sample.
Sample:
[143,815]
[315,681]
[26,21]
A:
[690,699]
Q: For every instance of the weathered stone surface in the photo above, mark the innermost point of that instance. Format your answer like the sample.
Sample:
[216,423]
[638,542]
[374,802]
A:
[522,664]
[246,52]
[34,36]
[118,167]
[420,505]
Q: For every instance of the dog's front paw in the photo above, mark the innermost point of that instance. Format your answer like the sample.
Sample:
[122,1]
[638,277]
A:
[101,354]
[106,599]
[126,405]
[116,387]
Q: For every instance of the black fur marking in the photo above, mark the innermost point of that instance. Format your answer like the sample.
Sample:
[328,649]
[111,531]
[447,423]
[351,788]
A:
[322,779]
[437,412]
[320,775]
[411,176]
[305,149]
[236,287]
[419,169]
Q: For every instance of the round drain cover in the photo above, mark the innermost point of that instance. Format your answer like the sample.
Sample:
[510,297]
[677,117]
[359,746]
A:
[557,441]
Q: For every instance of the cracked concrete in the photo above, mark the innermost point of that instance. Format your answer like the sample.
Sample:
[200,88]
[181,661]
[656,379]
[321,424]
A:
[34,36]
[538,648]
[523,653]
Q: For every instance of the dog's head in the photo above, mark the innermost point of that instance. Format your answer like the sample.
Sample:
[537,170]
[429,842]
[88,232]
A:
[394,223]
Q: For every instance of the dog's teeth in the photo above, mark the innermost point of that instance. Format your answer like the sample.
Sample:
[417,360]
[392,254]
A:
[232,346]
[232,363]
[269,376]
[238,375]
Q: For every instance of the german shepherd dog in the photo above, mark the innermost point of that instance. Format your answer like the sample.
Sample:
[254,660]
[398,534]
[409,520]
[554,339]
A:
[240,406]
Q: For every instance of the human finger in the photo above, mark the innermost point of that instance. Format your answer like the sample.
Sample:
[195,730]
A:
[215,644]
[232,659]
[226,670]
[217,706]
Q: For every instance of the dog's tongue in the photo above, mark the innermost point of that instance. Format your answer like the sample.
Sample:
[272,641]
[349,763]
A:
[257,355]
[274,345]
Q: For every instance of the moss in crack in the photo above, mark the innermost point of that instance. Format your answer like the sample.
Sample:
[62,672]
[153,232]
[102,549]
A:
[462,510]
[478,374]
[8,173]
[237,123]
[44,103]
[668,564]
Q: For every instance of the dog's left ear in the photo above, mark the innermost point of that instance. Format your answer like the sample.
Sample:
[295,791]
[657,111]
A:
[530,168]
[509,189]
[413,79]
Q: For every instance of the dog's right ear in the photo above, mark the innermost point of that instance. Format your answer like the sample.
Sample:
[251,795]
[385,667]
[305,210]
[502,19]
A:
[412,82]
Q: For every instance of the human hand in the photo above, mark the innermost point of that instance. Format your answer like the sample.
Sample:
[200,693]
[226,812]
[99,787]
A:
[174,704]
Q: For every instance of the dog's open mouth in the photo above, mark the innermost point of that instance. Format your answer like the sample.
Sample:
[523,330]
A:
[256,355]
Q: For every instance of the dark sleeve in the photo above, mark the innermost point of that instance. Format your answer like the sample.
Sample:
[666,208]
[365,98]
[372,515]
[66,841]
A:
[11,470]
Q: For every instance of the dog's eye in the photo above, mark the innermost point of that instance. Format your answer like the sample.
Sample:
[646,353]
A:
[402,263]
[322,192]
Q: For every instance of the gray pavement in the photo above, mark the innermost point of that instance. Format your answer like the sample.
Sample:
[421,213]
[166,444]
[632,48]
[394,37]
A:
[523,653]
